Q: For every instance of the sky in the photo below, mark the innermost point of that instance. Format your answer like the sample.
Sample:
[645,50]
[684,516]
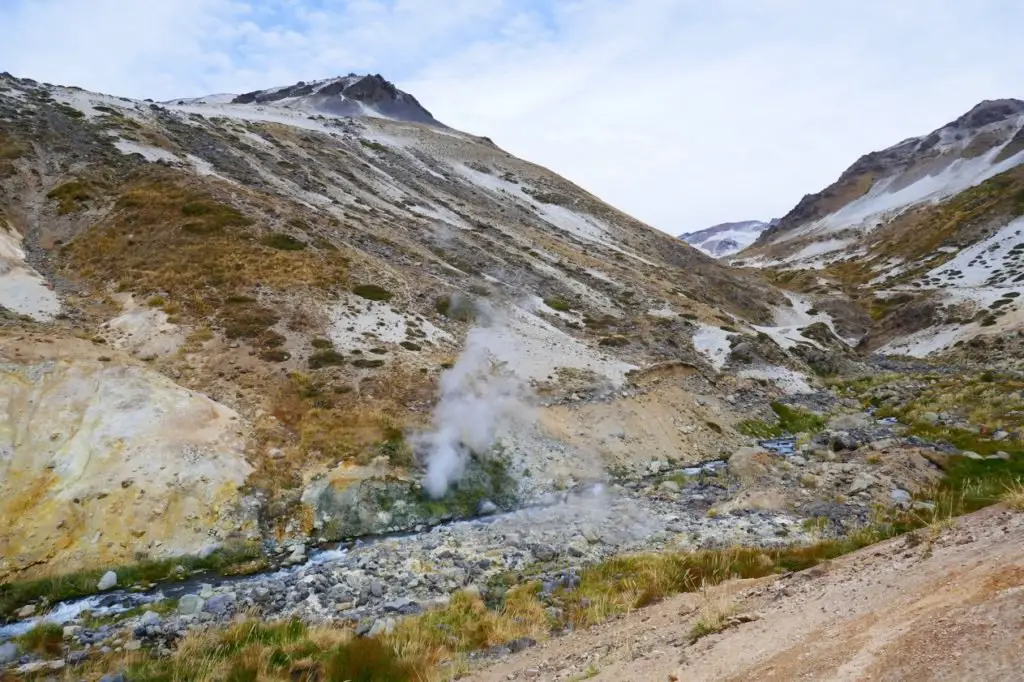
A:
[684,113]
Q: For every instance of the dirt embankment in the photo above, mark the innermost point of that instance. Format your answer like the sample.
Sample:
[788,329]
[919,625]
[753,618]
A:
[934,605]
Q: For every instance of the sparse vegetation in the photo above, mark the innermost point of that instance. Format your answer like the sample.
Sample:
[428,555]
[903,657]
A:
[713,616]
[166,235]
[46,639]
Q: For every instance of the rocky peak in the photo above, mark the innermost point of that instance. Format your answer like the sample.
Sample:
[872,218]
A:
[989,111]
[970,136]
[350,95]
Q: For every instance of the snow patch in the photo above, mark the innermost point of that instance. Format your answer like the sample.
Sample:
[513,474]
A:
[151,154]
[713,343]
[791,382]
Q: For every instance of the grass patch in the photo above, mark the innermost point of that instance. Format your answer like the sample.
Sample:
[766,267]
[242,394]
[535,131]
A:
[559,304]
[755,428]
[421,649]
[791,420]
[372,292]
[46,639]
[796,420]
[456,307]
[71,197]
[613,341]
[61,587]
[9,151]
[1013,494]
[322,344]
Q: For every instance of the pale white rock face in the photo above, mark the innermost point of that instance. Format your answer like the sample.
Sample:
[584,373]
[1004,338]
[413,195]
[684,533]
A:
[22,289]
[101,460]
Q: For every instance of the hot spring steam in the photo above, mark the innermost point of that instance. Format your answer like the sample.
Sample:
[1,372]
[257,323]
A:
[477,403]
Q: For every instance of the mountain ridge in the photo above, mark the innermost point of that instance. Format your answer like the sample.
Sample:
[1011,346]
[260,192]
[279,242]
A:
[344,96]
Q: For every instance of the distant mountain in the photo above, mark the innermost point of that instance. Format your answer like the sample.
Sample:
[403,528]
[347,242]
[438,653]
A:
[352,96]
[882,186]
[928,234]
[726,239]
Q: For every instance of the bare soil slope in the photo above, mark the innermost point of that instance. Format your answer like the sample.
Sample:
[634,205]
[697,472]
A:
[947,605]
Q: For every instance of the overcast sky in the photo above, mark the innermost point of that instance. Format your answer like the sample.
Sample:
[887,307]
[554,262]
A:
[683,113]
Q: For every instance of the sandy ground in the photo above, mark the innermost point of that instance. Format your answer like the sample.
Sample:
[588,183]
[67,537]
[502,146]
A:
[923,607]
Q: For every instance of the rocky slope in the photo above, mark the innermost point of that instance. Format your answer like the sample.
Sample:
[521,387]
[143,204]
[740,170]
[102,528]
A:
[925,236]
[726,239]
[334,294]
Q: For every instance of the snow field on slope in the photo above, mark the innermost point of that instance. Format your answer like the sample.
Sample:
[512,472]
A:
[870,210]
[789,321]
[996,260]
[576,224]
[151,154]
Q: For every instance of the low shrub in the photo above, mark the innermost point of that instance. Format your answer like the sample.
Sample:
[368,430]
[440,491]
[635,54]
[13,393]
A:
[283,242]
[372,292]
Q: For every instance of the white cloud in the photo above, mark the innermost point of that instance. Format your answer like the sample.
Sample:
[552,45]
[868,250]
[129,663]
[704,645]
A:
[683,113]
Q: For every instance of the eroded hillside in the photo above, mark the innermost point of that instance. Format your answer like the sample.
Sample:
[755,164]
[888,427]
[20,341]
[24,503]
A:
[315,276]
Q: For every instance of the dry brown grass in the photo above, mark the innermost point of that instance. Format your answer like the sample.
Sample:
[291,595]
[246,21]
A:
[466,625]
[713,614]
[166,234]
[425,648]
[1013,497]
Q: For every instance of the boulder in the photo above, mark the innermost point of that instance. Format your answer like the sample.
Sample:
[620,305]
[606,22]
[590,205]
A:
[190,604]
[900,497]
[8,653]
[861,483]
[107,582]
[749,464]
[149,618]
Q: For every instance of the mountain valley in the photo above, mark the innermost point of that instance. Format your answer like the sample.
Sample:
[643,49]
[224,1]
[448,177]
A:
[309,355]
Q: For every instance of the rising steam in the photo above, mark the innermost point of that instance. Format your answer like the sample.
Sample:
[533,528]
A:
[477,402]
